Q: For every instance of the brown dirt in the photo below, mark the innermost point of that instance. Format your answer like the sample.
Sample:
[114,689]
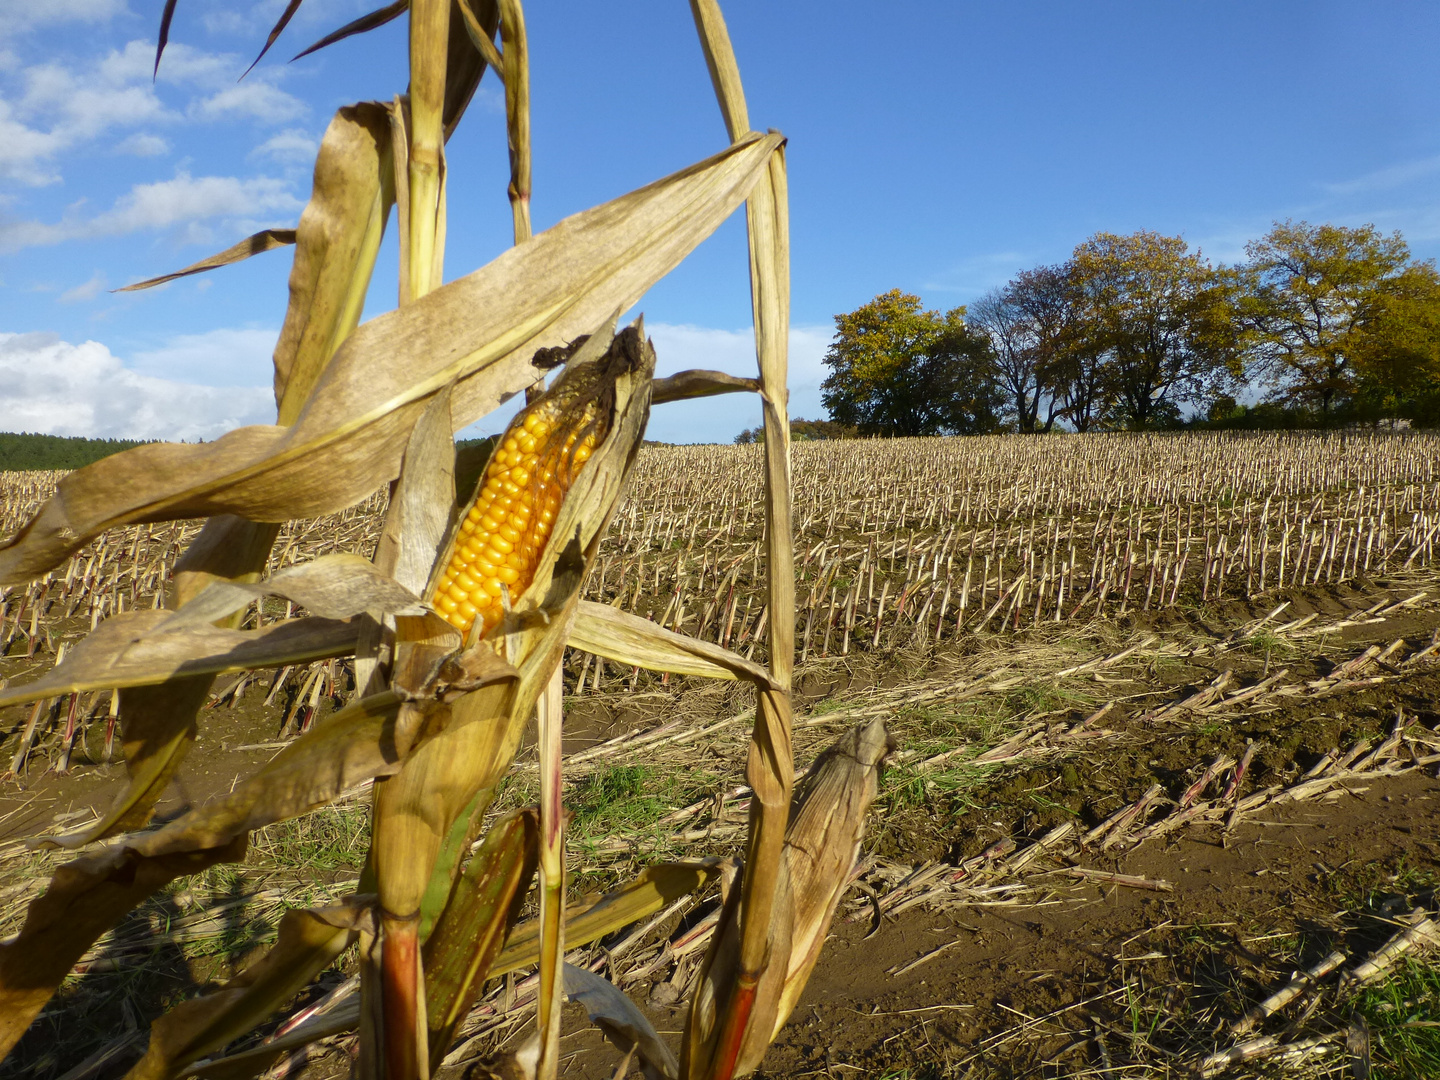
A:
[1296,872]
[1063,977]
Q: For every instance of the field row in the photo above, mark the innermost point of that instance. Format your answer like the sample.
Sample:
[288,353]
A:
[898,540]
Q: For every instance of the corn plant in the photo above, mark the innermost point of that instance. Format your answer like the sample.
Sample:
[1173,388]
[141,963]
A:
[459,623]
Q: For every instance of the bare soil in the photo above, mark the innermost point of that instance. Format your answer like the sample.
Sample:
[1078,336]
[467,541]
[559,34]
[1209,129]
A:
[1010,972]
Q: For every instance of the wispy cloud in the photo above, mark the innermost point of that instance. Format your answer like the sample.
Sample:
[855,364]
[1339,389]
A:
[17,16]
[166,204]
[291,145]
[88,291]
[251,100]
[142,144]
[974,274]
[1387,179]
[58,388]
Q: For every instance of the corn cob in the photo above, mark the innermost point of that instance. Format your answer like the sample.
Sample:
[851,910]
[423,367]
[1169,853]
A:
[504,531]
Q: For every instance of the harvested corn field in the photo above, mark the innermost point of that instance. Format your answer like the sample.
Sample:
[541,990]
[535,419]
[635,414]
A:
[1162,801]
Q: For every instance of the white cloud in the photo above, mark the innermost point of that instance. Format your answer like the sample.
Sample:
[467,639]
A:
[185,201]
[65,105]
[20,15]
[81,105]
[88,291]
[252,99]
[224,357]
[56,388]
[720,419]
[27,150]
[186,198]
[293,144]
[142,144]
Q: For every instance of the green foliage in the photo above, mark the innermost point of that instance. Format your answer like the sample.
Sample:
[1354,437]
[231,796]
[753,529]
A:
[20,452]
[1159,319]
[1340,324]
[1327,308]
[802,431]
[898,370]
[1403,1014]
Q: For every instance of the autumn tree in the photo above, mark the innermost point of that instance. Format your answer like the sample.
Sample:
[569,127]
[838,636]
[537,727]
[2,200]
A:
[1397,355]
[899,370]
[1028,324]
[1159,318]
[1330,308]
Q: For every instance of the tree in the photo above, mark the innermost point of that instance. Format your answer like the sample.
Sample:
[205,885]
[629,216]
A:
[1160,316]
[1018,324]
[1328,304]
[801,430]
[1067,361]
[1397,354]
[898,370]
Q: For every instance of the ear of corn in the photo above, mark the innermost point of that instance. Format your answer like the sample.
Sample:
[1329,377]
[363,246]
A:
[822,845]
[509,522]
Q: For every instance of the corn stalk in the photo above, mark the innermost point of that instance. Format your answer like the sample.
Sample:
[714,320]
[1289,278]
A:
[460,624]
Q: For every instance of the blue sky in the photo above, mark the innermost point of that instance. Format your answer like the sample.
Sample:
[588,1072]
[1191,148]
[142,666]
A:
[935,147]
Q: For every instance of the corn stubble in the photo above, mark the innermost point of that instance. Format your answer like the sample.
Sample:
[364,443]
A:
[460,624]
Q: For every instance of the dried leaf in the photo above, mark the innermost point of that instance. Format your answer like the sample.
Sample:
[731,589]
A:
[280,24]
[472,928]
[653,889]
[700,383]
[157,730]
[637,642]
[480,330]
[85,898]
[135,649]
[308,941]
[419,518]
[330,587]
[516,66]
[624,1024]
[340,751]
[374,19]
[465,66]
[164,36]
[417,523]
[263,241]
[336,243]
[484,42]
[822,844]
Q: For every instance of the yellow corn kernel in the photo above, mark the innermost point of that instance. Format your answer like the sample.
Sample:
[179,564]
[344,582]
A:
[508,525]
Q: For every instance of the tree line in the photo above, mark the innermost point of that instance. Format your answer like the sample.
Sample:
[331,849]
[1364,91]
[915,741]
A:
[22,451]
[1329,325]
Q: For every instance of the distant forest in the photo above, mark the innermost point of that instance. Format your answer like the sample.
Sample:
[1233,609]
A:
[23,451]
